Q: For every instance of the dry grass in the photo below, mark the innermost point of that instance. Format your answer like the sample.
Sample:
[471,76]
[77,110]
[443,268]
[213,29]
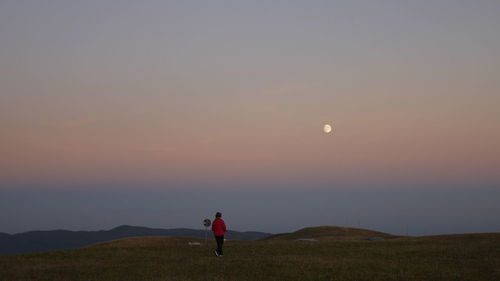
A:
[468,257]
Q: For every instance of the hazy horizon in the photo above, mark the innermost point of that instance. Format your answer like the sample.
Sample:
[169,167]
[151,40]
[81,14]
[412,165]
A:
[417,210]
[168,100]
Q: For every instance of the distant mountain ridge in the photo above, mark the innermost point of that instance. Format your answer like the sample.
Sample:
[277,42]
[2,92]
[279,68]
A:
[41,241]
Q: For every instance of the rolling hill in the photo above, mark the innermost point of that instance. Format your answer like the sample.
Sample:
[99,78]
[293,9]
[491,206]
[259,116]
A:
[41,241]
[473,257]
[332,233]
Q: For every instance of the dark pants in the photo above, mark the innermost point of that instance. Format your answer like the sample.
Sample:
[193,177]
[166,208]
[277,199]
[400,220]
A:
[220,242]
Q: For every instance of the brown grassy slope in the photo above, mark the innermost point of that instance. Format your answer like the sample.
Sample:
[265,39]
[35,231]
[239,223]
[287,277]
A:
[461,237]
[324,233]
[473,257]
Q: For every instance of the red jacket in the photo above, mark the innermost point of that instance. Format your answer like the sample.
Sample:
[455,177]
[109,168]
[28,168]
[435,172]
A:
[218,227]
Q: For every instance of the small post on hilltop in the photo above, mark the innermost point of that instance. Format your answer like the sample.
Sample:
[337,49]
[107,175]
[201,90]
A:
[206,223]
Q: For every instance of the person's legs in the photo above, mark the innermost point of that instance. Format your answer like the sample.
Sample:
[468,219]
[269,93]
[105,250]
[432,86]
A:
[221,252]
[217,242]
[220,242]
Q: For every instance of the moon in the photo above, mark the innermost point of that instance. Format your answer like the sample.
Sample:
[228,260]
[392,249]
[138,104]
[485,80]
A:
[327,128]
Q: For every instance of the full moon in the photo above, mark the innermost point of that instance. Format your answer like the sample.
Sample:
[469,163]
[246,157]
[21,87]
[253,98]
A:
[327,128]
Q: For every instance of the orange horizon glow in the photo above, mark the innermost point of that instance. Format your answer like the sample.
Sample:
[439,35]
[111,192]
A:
[190,92]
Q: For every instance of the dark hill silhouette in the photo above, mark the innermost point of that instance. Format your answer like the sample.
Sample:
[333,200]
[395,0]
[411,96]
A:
[331,233]
[41,241]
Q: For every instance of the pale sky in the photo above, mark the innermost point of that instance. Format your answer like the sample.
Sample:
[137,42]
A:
[200,95]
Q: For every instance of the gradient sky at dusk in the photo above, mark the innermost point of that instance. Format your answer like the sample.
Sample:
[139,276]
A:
[153,97]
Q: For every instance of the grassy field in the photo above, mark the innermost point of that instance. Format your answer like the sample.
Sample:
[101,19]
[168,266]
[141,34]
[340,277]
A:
[457,257]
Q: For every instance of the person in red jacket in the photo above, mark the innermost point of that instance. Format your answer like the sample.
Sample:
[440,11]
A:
[219,228]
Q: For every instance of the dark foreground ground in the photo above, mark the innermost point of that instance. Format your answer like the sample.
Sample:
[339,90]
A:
[458,257]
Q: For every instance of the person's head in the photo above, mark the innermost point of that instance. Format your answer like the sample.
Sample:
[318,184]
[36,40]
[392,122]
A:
[218,215]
